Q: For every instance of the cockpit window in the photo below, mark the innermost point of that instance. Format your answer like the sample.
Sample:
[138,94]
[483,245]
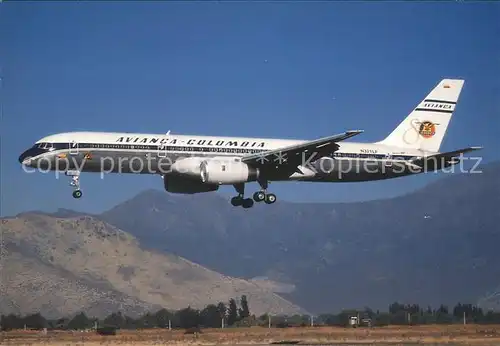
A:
[45,146]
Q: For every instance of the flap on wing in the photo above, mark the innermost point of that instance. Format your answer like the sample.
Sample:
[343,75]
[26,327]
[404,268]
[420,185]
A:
[290,154]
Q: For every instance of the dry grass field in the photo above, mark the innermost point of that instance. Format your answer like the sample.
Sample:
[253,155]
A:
[451,335]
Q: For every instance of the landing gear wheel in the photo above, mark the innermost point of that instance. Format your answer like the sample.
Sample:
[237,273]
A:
[270,198]
[259,196]
[237,201]
[75,182]
[247,203]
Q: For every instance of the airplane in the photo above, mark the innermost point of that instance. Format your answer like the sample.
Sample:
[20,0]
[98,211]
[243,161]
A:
[198,164]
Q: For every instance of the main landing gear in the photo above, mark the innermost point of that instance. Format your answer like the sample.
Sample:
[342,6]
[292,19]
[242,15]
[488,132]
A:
[75,182]
[240,199]
[262,195]
[259,196]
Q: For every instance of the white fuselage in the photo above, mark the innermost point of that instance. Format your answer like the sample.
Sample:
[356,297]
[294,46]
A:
[153,153]
[197,164]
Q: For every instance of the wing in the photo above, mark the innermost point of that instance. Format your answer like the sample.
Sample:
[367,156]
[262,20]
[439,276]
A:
[294,155]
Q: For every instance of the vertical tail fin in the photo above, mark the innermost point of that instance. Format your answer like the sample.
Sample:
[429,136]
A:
[424,128]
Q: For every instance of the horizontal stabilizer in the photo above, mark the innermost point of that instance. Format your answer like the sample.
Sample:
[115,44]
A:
[441,160]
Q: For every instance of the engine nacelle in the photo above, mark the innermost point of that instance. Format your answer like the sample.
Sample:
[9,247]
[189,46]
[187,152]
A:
[227,171]
[189,166]
[186,185]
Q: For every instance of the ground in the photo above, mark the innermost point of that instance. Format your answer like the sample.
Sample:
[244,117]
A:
[450,334]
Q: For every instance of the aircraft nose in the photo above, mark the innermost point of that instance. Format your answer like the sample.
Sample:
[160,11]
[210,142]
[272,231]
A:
[24,156]
[32,152]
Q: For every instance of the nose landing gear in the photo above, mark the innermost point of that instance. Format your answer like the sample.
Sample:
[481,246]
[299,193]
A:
[75,182]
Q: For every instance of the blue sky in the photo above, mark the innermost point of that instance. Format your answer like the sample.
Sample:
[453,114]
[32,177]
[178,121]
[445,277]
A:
[200,68]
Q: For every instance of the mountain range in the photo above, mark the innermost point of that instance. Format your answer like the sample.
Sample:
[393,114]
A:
[61,266]
[436,245]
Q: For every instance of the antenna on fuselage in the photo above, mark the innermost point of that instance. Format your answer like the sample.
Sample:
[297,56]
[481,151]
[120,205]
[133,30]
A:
[168,132]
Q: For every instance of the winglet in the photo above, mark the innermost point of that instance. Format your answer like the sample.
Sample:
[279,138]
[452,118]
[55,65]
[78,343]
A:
[352,133]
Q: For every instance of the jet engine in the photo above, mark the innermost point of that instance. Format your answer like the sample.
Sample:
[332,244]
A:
[227,171]
[186,185]
[215,170]
[189,166]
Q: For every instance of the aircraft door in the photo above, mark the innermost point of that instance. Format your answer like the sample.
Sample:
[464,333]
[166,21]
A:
[73,148]
[162,150]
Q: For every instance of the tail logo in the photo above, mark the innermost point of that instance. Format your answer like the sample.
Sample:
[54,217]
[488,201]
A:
[427,129]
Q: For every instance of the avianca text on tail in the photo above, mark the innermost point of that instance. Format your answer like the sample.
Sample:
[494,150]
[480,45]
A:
[196,164]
